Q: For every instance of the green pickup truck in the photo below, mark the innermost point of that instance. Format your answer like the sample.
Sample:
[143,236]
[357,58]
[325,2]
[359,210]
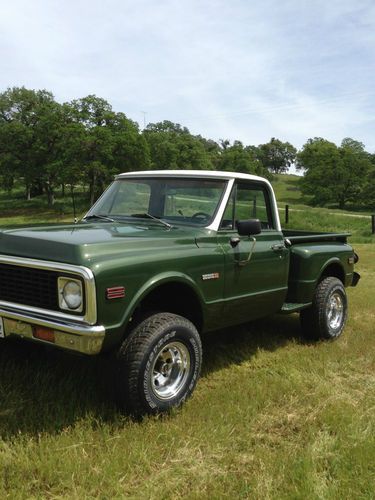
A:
[162,257]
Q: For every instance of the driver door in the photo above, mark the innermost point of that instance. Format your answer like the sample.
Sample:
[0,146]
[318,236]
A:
[256,267]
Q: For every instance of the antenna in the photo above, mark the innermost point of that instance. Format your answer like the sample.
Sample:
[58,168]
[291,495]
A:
[144,118]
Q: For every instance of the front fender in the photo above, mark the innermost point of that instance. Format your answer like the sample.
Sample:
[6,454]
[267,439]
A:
[155,282]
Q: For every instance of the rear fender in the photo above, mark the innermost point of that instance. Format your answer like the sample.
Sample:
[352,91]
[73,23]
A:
[309,266]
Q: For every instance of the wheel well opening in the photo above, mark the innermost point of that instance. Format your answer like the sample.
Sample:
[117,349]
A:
[176,298]
[334,270]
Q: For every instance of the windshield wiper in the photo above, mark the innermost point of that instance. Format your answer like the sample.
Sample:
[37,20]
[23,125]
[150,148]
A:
[98,216]
[145,214]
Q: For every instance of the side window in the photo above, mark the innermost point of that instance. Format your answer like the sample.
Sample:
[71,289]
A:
[248,201]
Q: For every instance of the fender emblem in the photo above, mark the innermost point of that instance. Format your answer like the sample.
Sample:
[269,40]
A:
[115,292]
[210,276]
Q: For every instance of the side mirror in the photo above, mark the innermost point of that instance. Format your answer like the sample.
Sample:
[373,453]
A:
[248,227]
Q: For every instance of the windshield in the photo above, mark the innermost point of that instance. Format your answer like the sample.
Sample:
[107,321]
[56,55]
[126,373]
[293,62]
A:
[176,200]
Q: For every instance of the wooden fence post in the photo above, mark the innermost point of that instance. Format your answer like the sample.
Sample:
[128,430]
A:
[286,214]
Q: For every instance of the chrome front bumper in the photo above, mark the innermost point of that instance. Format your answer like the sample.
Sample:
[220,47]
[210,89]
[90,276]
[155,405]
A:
[81,338]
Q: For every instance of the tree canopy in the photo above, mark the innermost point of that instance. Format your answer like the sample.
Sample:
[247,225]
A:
[173,147]
[276,156]
[45,145]
[334,174]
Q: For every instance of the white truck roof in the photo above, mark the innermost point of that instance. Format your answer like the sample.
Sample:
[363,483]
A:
[192,173]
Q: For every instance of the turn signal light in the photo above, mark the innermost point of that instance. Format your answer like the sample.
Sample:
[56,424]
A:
[115,292]
[42,333]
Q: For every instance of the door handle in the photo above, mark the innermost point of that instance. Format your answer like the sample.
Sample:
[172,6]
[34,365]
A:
[234,242]
[278,247]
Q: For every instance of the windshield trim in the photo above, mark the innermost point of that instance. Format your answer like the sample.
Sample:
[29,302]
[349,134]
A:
[216,220]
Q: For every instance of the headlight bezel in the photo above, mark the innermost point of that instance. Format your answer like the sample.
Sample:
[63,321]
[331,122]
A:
[62,281]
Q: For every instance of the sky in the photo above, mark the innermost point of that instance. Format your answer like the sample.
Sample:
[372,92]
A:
[243,70]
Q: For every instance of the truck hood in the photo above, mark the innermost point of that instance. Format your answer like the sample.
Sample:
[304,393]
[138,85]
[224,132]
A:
[86,243]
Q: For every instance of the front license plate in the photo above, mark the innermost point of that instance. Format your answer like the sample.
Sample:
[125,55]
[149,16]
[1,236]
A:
[1,327]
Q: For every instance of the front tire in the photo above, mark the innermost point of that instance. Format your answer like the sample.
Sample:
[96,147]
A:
[158,364]
[327,316]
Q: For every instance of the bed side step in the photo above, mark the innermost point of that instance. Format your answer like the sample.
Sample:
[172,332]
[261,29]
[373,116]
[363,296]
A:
[290,307]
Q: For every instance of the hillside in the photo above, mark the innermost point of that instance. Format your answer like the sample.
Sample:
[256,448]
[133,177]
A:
[303,216]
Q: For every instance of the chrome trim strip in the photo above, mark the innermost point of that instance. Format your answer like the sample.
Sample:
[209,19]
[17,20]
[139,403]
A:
[90,316]
[96,331]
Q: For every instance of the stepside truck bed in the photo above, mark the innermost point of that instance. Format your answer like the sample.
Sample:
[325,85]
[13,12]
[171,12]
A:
[314,255]
[295,236]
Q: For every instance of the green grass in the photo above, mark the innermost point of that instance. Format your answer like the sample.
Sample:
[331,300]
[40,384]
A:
[272,417]
[287,190]
[16,210]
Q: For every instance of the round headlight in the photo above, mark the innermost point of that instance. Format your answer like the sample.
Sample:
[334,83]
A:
[72,294]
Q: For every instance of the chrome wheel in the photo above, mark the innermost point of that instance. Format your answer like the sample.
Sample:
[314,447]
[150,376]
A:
[326,317]
[336,311]
[170,370]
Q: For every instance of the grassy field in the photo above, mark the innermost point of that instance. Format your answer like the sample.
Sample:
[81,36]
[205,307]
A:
[15,210]
[272,417]
[303,216]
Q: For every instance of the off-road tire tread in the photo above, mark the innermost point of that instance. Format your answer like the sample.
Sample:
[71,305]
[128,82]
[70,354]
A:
[313,319]
[131,356]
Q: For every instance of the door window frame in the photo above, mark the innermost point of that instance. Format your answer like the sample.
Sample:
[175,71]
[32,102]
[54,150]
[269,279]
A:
[233,198]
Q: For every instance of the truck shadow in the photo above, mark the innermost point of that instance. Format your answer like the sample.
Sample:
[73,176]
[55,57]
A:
[240,343]
[46,390]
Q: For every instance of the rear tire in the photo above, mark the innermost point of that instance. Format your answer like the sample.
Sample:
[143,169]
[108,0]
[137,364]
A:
[327,316]
[158,364]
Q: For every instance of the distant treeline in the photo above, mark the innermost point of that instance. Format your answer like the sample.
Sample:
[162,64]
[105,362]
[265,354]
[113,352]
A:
[47,145]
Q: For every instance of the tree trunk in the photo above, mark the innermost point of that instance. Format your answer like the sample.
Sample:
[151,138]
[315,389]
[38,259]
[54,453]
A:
[50,198]
[63,189]
[50,194]
[28,192]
